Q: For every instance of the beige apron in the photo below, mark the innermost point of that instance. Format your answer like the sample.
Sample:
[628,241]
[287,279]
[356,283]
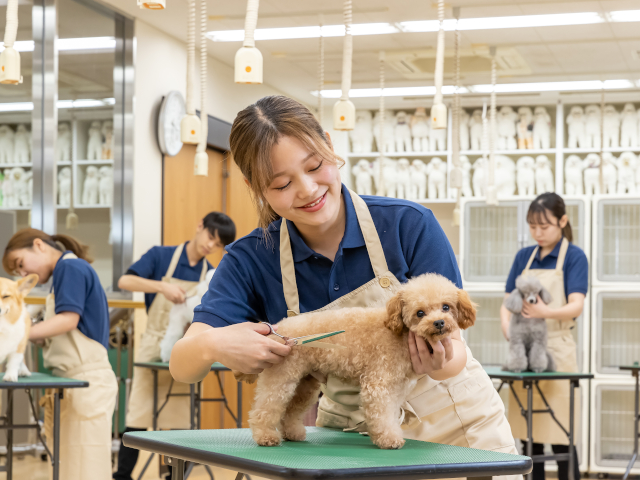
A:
[562,348]
[175,413]
[465,410]
[86,414]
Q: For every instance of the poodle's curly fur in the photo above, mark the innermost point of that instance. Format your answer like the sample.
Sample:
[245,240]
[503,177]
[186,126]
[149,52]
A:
[376,357]
[527,336]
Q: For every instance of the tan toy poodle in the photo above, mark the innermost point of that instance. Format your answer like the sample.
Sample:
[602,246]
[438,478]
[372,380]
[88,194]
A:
[376,356]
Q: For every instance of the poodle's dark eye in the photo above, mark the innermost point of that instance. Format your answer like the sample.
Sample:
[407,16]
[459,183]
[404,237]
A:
[420,314]
[445,308]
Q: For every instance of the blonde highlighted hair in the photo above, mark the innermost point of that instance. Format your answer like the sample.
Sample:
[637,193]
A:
[256,130]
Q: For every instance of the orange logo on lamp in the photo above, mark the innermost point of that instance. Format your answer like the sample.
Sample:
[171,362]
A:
[193,132]
[3,68]
[342,118]
[247,69]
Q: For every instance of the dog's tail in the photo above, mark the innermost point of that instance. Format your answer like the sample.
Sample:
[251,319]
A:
[245,377]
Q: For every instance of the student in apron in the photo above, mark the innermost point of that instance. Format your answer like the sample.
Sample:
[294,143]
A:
[75,334]
[323,247]
[563,270]
[167,275]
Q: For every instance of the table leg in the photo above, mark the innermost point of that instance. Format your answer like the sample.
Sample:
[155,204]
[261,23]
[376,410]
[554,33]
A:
[529,386]
[239,476]
[572,446]
[116,423]
[56,434]
[239,413]
[9,424]
[636,418]
[177,470]
[155,400]
[192,406]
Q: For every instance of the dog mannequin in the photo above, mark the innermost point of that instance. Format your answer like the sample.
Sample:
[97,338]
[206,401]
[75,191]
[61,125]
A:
[592,126]
[505,176]
[362,172]
[475,130]
[107,146]
[466,176]
[610,173]
[629,126]
[437,172]
[20,190]
[541,128]
[627,164]
[420,126]
[62,151]
[418,180]
[576,124]
[389,132]
[28,195]
[480,176]
[525,175]
[402,132]
[6,144]
[611,127]
[64,187]
[592,174]
[94,145]
[573,175]
[464,130]
[106,185]
[544,175]
[362,134]
[404,179]
[22,145]
[438,139]
[525,128]
[10,199]
[91,187]
[506,128]
[389,177]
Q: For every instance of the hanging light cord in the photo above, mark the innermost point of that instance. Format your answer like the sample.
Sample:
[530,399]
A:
[381,191]
[11,29]
[456,173]
[492,119]
[347,53]
[439,55]
[191,57]
[602,143]
[250,23]
[320,75]
[202,146]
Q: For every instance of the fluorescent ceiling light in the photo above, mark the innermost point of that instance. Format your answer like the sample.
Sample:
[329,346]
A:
[70,44]
[500,88]
[61,104]
[421,26]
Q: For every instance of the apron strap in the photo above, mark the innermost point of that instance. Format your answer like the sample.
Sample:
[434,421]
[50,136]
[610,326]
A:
[533,255]
[371,240]
[205,269]
[174,260]
[562,255]
[288,269]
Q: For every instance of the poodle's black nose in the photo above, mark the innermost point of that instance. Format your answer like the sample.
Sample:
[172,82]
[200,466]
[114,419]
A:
[439,324]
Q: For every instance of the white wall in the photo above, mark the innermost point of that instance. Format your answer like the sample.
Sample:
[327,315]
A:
[161,67]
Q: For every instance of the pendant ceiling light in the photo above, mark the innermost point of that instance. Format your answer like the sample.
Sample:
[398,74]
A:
[201,163]
[153,4]
[492,197]
[248,62]
[10,58]
[344,111]
[190,127]
[439,110]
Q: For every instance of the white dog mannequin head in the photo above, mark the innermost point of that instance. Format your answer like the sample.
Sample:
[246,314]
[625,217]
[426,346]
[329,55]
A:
[576,115]
[525,115]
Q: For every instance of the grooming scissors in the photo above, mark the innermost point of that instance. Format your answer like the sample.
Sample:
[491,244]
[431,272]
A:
[306,340]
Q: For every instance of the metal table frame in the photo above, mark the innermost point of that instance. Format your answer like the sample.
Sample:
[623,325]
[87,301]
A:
[530,381]
[634,369]
[7,421]
[195,410]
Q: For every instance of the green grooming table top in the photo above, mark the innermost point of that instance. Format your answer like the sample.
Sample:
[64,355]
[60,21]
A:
[633,368]
[165,366]
[42,380]
[498,373]
[326,453]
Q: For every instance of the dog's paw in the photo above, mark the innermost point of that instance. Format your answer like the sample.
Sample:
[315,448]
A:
[24,371]
[267,438]
[294,432]
[389,442]
[11,376]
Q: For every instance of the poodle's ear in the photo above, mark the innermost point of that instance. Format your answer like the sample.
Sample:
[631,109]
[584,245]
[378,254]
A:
[513,302]
[466,310]
[546,296]
[394,314]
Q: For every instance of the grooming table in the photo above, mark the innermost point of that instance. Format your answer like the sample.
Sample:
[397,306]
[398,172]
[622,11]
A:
[195,395]
[530,381]
[634,369]
[36,381]
[326,453]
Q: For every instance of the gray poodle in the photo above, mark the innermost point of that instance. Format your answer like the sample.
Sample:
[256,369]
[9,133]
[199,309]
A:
[527,336]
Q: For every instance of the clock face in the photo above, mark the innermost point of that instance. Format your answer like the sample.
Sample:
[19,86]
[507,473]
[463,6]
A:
[171,112]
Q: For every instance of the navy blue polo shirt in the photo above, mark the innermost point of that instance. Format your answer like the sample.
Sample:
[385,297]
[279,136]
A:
[77,289]
[247,285]
[154,264]
[575,269]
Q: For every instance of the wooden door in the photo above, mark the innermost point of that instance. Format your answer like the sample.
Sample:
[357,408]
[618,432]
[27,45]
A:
[186,200]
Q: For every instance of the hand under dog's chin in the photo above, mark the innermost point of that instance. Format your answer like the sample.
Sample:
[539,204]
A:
[433,335]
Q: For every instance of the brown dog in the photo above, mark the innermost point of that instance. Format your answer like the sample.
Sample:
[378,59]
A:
[15,324]
[376,356]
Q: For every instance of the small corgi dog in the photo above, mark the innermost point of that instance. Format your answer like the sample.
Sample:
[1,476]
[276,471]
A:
[15,323]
